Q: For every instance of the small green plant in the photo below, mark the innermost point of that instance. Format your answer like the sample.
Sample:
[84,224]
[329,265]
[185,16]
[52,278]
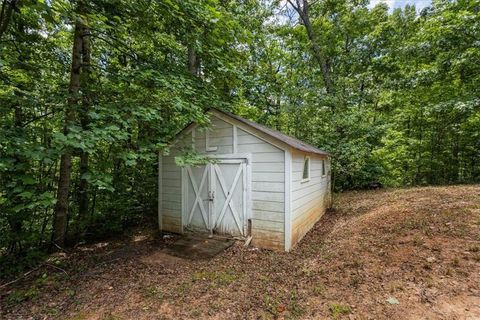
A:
[355,281]
[272,305]
[296,310]
[153,292]
[456,262]
[395,286]
[427,266]
[40,281]
[183,287]
[418,241]
[216,277]
[196,314]
[357,264]
[449,272]
[318,289]
[16,297]
[429,283]
[474,249]
[19,296]
[110,316]
[339,309]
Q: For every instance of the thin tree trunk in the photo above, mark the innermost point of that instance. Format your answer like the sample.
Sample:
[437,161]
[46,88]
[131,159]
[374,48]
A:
[21,162]
[61,207]
[6,13]
[83,198]
[193,62]
[302,8]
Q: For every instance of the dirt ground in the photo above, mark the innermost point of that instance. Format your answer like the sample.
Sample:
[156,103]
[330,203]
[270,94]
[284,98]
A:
[386,254]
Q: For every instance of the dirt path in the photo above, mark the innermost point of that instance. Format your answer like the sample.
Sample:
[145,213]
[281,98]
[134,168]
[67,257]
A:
[398,254]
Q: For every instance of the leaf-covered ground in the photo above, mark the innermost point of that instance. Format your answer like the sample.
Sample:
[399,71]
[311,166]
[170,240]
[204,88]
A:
[388,254]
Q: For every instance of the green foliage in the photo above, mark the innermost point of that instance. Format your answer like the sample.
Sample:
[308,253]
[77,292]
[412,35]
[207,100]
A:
[406,107]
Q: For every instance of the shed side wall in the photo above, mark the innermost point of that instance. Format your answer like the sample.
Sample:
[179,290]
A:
[268,190]
[310,199]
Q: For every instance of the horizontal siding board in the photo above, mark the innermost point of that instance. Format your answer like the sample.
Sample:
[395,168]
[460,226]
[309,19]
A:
[268,186]
[221,132]
[276,226]
[172,182]
[298,176]
[218,132]
[268,216]
[257,147]
[172,197]
[171,168]
[170,205]
[172,174]
[272,157]
[221,141]
[310,197]
[269,167]
[268,206]
[176,200]
[224,149]
[268,177]
[219,123]
[266,234]
[172,190]
[301,187]
[177,214]
[307,190]
[268,196]
[267,244]
[220,150]
[300,211]
[215,141]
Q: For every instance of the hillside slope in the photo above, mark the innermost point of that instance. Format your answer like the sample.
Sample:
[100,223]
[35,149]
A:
[388,254]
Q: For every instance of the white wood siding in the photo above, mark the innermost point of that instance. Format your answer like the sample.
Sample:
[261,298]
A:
[220,135]
[171,204]
[309,198]
[268,189]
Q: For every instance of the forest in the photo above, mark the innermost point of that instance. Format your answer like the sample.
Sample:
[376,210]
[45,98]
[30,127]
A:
[92,91]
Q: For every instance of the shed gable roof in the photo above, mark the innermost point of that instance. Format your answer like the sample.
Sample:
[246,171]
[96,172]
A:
[290,141]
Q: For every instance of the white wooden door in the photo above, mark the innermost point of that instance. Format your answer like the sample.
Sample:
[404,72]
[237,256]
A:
[230,197]
[196,194]
[215,197]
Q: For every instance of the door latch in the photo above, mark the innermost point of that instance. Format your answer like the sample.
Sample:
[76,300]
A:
[211,195]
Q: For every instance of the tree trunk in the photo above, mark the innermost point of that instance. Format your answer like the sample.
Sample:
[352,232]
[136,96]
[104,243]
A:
[61,207]
[6,13]
[302,8]
[83,198]
[193,62]
[16,220]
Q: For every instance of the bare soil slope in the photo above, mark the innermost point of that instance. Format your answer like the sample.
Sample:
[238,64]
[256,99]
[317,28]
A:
[389,254]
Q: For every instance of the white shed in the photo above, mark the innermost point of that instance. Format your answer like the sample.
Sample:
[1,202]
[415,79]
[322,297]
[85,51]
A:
[261,183]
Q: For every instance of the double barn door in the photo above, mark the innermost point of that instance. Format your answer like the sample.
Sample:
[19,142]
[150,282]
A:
[215,197]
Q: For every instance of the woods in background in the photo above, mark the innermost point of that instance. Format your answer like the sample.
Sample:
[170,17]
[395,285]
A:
[90,91]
